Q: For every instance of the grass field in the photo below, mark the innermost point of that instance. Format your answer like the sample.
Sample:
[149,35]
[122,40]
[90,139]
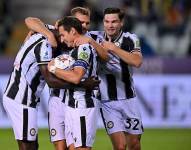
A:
[152,139]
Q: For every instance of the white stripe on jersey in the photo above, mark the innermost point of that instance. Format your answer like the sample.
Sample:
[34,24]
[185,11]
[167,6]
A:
[26,82]
[116,75]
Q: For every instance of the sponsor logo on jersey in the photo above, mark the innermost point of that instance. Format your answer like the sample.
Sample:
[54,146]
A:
[84,48]
[32,131]
[83,55]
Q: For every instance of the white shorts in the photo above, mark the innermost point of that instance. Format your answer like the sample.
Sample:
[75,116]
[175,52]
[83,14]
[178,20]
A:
[81,124]
[122,115]
[56,119]
[23,119]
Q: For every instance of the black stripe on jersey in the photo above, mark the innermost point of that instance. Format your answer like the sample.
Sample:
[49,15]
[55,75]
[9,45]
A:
[37,51]
[111,89]
[74,53]
[127,44]
[15,86]
[126,78]
[83,130]
[71,101]
[88,99]
[29,67]
[90,62]
[93,36]
[34,84]
[24,101]
[56,92]
[64,96]
[25,124]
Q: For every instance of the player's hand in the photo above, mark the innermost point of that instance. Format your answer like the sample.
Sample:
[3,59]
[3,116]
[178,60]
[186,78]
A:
[52,39]
[109,46]
[82,40]
[90,83]
[50,64]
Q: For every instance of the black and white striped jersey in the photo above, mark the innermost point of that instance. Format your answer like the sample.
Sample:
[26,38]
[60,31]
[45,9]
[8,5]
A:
[85,57]
[116,75]
[26,82]
[61,93]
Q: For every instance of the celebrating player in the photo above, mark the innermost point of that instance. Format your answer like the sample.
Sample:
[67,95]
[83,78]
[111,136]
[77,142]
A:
[82,108]
[119,111]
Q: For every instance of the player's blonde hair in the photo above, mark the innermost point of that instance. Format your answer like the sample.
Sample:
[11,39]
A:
[81,10]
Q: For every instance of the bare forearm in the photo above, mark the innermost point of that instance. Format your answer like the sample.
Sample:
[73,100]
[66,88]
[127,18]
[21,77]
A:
[37,25]
[55,82]
[69,76]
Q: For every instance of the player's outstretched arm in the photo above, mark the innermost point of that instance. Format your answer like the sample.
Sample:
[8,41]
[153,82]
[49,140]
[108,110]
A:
[36,25]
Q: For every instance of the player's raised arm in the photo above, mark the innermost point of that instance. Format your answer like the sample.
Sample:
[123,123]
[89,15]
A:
[36,25]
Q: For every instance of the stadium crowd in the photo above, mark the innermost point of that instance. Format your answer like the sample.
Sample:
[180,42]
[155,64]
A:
[163,26]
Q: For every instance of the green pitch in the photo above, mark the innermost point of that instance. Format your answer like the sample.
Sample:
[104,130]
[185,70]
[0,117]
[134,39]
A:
[152,139]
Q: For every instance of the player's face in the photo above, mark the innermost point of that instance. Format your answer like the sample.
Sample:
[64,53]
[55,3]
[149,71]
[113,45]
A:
[85,21]
[112,24]
[66,37]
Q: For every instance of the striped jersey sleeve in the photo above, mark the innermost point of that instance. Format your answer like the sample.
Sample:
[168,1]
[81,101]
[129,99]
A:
[130,42]
[83,56]
[43,53]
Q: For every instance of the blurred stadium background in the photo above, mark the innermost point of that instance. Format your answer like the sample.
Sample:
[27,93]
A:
[163,83]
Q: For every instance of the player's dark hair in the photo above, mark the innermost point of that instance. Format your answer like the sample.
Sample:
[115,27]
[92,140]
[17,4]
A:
[81,10]
[114,10]
[69,22]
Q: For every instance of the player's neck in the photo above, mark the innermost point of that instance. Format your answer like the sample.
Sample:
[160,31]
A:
[113,37]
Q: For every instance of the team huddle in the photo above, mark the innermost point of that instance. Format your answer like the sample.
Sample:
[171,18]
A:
[96,80]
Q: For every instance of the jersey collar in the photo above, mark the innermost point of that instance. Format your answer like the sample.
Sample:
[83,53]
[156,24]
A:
[115,39]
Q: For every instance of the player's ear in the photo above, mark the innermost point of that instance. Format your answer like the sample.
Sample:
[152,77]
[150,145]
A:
[73,31]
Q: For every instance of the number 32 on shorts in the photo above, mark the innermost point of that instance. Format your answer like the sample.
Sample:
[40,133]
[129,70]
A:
[132,123]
